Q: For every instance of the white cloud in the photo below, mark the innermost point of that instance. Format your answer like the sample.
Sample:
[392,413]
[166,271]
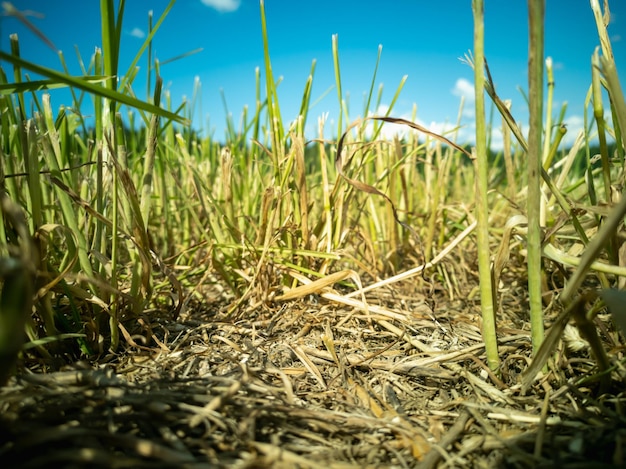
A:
[389,131]
[464,88]
[574,122]
[574,125]
[138,33]
[223,6]
[440,128]
[558,66]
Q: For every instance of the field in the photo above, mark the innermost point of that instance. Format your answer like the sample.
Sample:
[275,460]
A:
[283,300]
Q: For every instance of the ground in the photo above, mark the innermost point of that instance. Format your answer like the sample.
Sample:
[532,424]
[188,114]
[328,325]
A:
[312,383]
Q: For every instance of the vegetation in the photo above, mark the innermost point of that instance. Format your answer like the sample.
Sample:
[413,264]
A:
[104,226]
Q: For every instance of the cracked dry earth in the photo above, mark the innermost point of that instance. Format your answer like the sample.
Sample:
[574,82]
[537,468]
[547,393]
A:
[315,384]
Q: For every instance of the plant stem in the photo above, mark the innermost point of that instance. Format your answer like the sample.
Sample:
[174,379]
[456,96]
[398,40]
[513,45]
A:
[481,165]
[536,10]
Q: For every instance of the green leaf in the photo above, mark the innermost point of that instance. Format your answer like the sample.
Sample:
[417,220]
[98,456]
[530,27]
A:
[83,84]
[40,85]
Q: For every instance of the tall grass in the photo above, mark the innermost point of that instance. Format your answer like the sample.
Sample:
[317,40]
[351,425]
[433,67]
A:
[144,213]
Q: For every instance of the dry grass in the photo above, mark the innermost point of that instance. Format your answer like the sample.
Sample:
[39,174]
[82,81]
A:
[312,383]
[250,304]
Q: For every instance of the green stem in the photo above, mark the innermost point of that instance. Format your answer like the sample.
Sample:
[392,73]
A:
[482,206]
[536,9]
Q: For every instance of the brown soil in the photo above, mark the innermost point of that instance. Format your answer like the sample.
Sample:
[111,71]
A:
[316,384]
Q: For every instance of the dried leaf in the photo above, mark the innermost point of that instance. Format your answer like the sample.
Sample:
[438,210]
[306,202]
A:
[372,190]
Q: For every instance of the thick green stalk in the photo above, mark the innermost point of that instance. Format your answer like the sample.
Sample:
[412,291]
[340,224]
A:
[548,125]
[100,236]
[536,10]
[609,71]
[108,143]
[17,74]
[482,207]
[110,51]
[598,114]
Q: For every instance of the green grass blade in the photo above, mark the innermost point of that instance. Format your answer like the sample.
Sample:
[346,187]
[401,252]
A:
[306,96]
[110,41]
[148,168]
[366,109]
[147,43]
[335,42]
[53,157]
[276,125]
[86,85]
[42,85]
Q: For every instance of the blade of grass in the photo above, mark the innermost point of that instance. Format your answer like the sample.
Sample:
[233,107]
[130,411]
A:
[148,166]
[306,96]
[366,109]
[53,151]
[147,44]
[548,131]
[276,126]
[335,45]
[598,114]
[86,85]
[10,10]
[17,74]
[41,85]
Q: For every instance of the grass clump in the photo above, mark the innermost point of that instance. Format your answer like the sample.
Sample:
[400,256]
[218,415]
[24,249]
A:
[103,227]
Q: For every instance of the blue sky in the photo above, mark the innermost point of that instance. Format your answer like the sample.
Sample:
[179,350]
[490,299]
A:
[420,39]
